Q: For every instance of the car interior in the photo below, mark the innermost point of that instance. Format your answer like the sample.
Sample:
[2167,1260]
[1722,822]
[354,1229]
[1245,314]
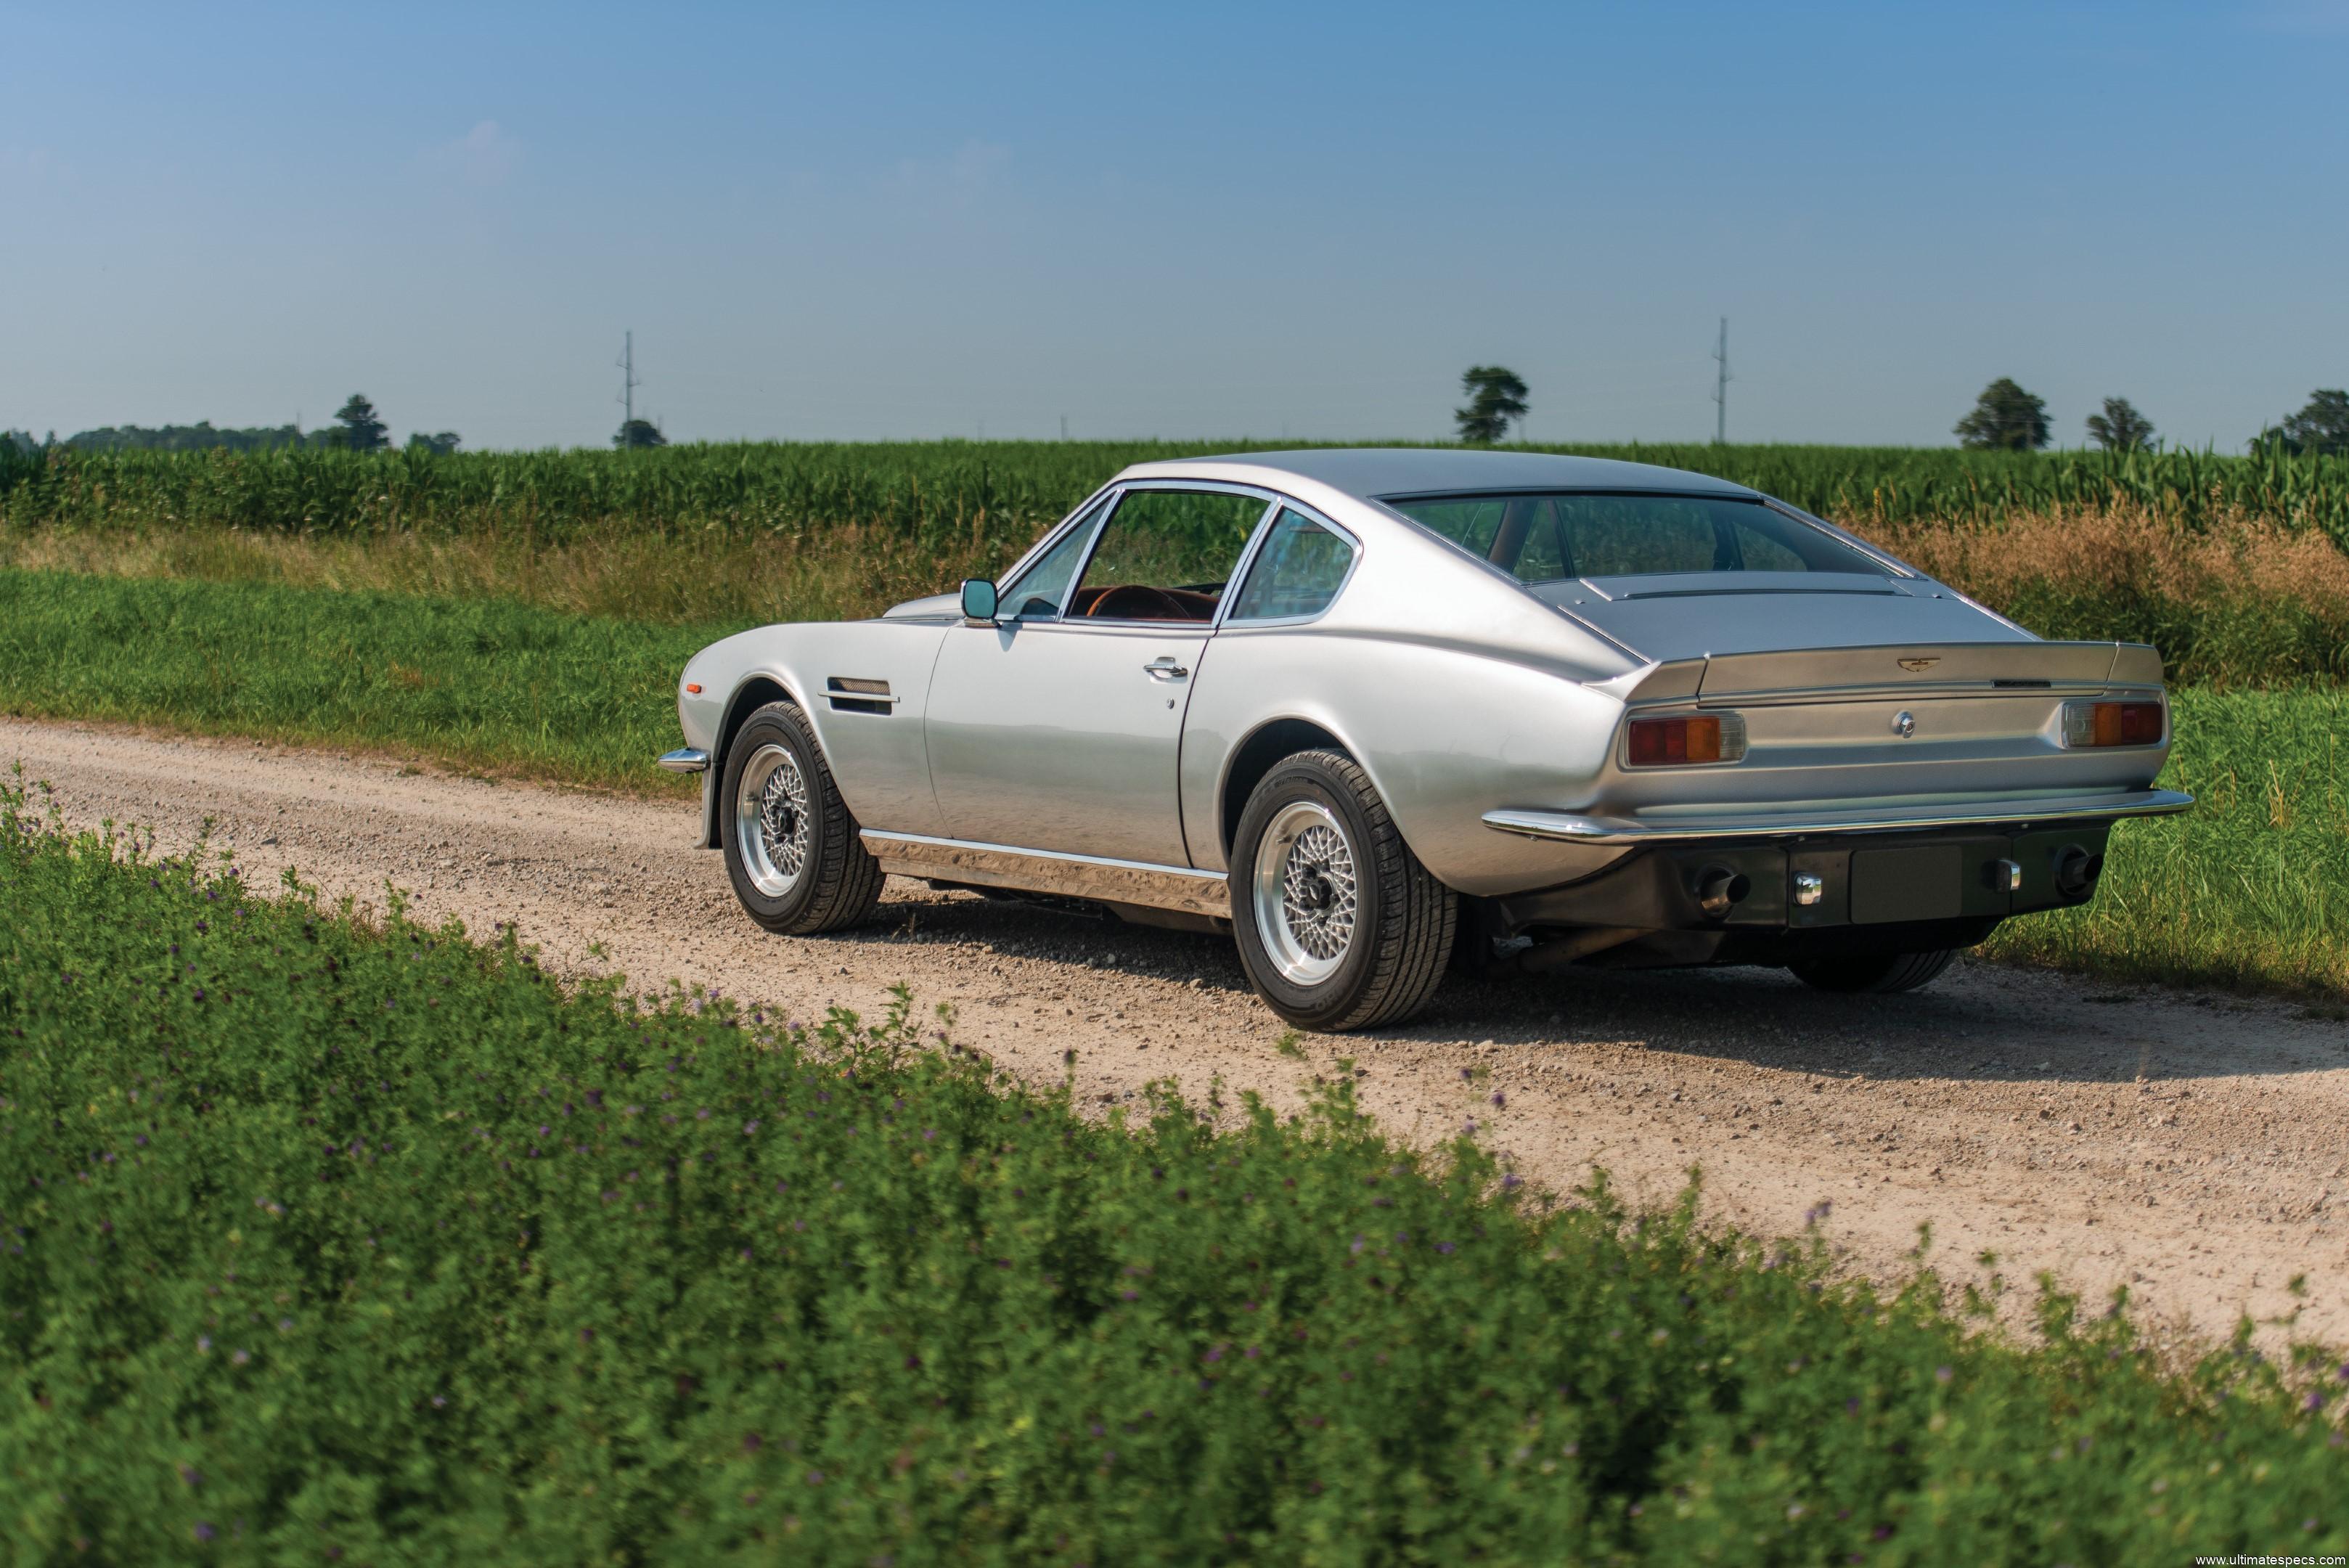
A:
[1139,601]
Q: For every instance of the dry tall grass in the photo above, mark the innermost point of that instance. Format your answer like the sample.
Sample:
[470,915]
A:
[2238,558]
[2237,601]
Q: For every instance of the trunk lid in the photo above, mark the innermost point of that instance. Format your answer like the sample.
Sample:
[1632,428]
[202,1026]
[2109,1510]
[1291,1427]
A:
[1690,615]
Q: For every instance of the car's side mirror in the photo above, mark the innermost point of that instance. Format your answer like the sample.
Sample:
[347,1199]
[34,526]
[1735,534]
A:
[978,602]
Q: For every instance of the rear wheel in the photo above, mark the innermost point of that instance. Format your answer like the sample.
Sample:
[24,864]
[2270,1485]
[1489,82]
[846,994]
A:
[1877,974]
[792,851]
[1339,925]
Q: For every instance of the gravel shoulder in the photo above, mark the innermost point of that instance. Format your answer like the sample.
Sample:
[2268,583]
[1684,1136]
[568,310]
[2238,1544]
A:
[2192,1147]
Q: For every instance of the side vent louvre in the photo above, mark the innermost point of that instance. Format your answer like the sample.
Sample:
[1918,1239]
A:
[849,694]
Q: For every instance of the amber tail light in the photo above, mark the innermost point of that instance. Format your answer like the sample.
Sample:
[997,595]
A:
[1676,742]
[2112,725]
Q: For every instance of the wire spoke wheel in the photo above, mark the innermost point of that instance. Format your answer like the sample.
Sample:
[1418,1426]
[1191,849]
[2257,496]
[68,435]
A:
[770,813]
[1304,892]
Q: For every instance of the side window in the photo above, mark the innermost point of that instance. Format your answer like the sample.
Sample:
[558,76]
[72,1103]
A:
[1299,572]
[1038,593]
[1165,554]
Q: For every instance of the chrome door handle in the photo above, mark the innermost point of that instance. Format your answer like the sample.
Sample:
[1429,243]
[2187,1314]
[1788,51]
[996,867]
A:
[1164,668]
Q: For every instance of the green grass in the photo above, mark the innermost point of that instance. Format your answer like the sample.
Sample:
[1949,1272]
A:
[480,683]
[2251,891]
[1008,491]
[2248,890]
[321,1242]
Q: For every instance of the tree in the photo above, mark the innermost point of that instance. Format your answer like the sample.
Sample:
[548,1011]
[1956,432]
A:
[2005,417]
[2120,428]
[361,431]
[1496,396]
[440,445]
[638,433]
[2321,426]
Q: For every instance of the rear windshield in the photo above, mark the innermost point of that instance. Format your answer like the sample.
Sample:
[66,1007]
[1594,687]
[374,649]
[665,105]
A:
[1541,538]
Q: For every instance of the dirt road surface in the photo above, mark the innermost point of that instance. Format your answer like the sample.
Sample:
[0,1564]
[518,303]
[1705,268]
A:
[2192,1147]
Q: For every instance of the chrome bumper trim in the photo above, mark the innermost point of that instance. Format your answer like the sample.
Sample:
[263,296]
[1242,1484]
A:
[1043,871]
[1570,828]
[686,760]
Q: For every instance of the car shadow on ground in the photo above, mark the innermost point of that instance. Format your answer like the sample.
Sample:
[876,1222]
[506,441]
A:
[1979,1022]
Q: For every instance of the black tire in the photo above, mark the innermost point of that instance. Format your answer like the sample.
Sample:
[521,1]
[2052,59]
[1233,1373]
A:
[1877,975]
[1395,947]
[836,882]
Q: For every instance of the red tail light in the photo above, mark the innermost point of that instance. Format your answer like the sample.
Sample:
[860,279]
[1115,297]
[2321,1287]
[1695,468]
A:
[2112,724]
[1676,742]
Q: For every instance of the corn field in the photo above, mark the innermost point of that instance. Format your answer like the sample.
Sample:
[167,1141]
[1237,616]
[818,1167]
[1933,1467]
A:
[984,495]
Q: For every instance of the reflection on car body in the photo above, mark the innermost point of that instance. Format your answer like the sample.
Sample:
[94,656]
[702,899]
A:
[1375,710]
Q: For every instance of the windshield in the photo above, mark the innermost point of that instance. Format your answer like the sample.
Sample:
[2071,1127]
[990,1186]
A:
[1542,538]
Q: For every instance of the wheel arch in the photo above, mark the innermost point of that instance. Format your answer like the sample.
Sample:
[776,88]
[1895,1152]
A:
[1260,752]
[755,693]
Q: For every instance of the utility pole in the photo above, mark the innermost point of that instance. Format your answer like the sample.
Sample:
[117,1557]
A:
[1721,388]
[628,383]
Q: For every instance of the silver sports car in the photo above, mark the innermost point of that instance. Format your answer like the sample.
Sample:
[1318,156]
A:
[1378,711]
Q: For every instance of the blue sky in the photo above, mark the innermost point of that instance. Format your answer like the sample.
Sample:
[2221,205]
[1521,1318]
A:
[1180,221]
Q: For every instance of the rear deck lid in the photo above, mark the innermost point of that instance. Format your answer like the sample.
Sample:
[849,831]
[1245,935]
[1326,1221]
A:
[1689,615]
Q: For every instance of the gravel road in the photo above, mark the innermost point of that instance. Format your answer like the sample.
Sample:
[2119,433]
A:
[2193,1147]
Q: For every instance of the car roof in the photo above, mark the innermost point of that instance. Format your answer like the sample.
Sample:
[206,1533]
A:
[1372,473]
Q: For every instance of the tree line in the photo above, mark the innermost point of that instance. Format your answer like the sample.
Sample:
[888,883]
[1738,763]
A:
[356,428]
[2009,417]
[2005,417]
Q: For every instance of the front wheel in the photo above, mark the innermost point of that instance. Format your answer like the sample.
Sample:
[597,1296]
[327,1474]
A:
[1339,925]
[792,851]
[1877,975]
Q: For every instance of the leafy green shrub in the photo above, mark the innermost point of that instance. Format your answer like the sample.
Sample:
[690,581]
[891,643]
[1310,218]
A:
[325,1240]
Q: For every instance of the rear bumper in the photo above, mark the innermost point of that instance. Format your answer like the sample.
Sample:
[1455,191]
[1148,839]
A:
[1732,824]
[1776,901]
[686,760]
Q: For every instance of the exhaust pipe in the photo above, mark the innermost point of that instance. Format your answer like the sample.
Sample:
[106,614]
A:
[2077,871]
[1720,889]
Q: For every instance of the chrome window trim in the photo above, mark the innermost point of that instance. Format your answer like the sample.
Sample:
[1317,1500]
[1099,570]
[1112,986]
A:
[1052,536]
[1256,548]
[1891,562]
[1271,499]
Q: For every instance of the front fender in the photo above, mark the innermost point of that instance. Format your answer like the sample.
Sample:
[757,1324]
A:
[865,688]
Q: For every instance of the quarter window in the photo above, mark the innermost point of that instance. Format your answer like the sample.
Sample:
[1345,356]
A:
[1298,573]
[1037,593]
[1166,555]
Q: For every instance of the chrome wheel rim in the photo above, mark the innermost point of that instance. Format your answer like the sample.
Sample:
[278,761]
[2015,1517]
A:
[1304,891]
[771,820]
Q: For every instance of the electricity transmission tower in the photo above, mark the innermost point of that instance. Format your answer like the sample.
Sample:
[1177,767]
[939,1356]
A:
[628,383]
[1721,388]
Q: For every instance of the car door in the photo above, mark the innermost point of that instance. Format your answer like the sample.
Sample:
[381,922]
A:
[1058,728]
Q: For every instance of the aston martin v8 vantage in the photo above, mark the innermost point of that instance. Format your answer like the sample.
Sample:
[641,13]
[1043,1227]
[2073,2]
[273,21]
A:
[1378,711]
